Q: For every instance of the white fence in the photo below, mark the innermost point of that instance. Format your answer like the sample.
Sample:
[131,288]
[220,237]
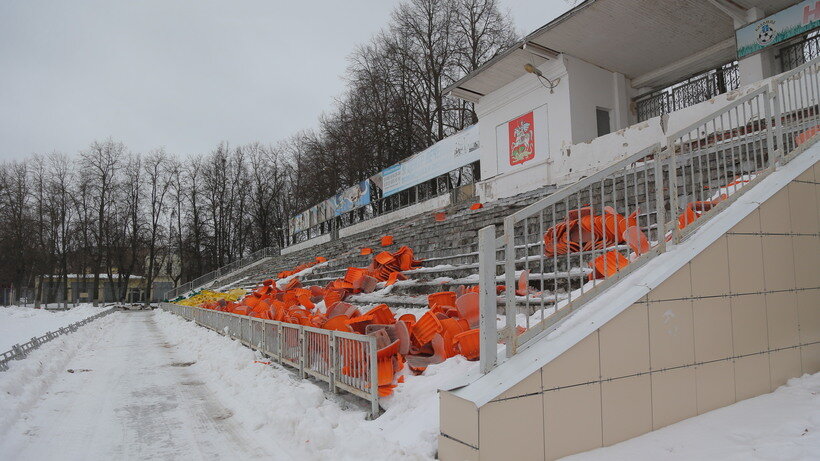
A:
[346,361]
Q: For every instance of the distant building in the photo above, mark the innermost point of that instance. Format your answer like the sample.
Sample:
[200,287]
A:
[80,288]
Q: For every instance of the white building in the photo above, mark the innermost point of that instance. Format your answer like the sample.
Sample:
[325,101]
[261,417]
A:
[614,66]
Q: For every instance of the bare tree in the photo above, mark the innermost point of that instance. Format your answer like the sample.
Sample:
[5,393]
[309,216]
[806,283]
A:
[158,178]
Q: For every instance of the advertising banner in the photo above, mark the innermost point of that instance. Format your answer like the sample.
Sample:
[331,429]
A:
[783,25]
[350,198]
[444,156]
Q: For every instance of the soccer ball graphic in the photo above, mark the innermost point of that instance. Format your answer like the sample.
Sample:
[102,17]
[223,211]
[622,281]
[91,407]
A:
[765,34]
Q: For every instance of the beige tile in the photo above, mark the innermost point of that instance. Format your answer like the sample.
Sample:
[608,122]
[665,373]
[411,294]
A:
[579,364]
[671,334]
[625,343]
[749,328]
[778,262]
[710,270]
[678,285]
[775,215]
[748,225]
[781,315]
[810,358]
[752,376]
[713,328]
[715,385]
[626,408]
[572,420]
[808,315]
[807,175]
[784,365]
[806,255]
[450,450]
[673,396]
[502,426]
[803,199]
[458,418]
[529,385]
[745,263]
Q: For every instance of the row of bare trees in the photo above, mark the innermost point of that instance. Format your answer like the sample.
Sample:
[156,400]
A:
[110,214]
[395,103]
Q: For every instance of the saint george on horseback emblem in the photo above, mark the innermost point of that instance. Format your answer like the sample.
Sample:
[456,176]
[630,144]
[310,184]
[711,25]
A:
[522,139]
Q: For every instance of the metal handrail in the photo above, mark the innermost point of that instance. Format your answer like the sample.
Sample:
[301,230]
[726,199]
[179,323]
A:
[346,361]
[673,187]
[221,271]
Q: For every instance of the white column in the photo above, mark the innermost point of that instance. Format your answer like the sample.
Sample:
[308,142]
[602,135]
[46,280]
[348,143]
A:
[757,66]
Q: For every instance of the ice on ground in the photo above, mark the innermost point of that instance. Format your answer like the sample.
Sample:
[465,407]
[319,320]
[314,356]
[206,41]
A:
[19,324]
[782,425]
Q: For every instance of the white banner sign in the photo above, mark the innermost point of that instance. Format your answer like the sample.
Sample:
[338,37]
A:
[444,156]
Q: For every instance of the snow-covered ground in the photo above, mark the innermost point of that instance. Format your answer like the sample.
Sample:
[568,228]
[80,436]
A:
[160,387]
[19,324]
[783,425]
[140,385]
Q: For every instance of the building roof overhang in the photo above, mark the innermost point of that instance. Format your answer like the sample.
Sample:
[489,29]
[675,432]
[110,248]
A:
[651,42]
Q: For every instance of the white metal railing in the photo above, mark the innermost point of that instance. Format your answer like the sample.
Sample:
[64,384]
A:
[21,351]
[222,271]
[346,361]
[665,192]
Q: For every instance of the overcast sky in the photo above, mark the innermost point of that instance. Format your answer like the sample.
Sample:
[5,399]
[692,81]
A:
[181,74]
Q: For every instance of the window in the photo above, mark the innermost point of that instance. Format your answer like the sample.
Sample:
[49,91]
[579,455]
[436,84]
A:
[602,116]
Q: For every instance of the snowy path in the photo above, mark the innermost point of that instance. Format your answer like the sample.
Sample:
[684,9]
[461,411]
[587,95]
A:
[138,401]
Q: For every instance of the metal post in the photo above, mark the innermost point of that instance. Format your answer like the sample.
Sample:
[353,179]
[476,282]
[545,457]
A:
[509,283]
[660,202]
[673,187]
[777,123]
[374,377]
[302,351]
[334,362]
[487,298]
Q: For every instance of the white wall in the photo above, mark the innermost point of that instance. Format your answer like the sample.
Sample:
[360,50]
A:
[506,104]
[571,118]
[574,151]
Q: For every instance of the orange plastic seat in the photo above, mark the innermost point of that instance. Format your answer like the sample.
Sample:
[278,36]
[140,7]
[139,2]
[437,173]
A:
[425,327]
[468,344]
[608,264]
[442,298]
[387,240]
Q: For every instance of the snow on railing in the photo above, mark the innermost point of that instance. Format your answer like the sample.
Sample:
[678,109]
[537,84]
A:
[619,218]
[21,351]
[346,361]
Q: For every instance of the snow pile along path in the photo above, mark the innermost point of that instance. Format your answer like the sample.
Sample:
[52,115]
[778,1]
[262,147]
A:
[778,426]
[271,402]
[116,389]
[148,385]
[19,324]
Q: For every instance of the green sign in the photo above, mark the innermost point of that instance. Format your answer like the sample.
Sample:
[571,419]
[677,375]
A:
[781,26]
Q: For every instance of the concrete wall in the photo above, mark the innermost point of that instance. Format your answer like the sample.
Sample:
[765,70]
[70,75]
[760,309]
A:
[737,321]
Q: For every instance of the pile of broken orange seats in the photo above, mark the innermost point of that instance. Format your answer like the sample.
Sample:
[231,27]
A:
[582,230]
[448,328]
